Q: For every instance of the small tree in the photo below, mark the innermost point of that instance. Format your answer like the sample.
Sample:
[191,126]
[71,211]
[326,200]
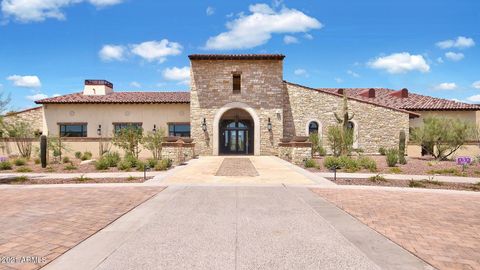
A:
[340,140]
[56,146]
[129,139]
[317,146]
[23,133]
[153,142]
[442,136]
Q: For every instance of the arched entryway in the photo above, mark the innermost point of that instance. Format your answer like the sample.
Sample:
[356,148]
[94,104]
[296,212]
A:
[236,133]
[236,130]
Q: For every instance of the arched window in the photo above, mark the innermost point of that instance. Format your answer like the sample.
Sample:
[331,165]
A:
[312,127]
[351,125]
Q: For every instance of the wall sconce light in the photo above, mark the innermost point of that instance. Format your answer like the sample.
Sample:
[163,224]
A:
[99,130]
[154,128]
[269,125]
[204,125]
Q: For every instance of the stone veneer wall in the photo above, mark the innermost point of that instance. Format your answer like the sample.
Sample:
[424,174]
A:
[34,116]
[375,126]
[295,152]
[178,152]
[262,89]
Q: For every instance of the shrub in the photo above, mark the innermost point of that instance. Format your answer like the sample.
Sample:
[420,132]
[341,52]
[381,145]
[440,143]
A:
[102,164]
[141,166]
[20,179]
[349,164]
[392,157]
[332,163]
[112,158]
[310,163]
[377,178]
[395,170]
[82,178]
[317,146]
[367,163]
[152,162]
[401,148]
[382,151]
[415,184]
[453,171]
[124,165]
[129,139]
[24,169]
[50,169]
[153,142]
[70,167]
[20,162]
[37,161]
[340,140]
[163,165]
[132,178]
[131,159]
[5,165]
[86,155]
[66,160]
[78,155]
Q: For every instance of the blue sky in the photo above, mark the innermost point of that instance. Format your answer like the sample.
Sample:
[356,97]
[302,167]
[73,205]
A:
[50,46]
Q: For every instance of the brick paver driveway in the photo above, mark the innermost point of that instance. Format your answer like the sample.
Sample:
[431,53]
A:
[441,228]
[41,224]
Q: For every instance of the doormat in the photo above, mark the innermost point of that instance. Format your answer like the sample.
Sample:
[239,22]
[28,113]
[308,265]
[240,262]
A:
[237,167]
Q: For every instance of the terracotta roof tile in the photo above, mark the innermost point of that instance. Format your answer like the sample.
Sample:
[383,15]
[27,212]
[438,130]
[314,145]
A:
[414,102]
[121,97]
[236,56]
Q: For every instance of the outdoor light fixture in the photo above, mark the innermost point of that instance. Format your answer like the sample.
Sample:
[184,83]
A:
[154,128]
[204,124]
[269,125]
[99,130]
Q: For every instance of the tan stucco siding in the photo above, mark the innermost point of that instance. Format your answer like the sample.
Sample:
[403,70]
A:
[471,116]
[375,126]
[107,114]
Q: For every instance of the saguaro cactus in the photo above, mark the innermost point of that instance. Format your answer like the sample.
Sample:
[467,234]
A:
[401,148]
[346,117]
[43,150]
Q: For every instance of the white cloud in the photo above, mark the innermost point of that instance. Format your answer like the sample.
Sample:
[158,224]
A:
[308,36]
[339,80]
[156,50]
[28,81]
[440,60]
[446,86]
[300,72]
[181,75]
[257,28]
[112,52]
[454,56]
[37,97]
[460,43]
[56,95]
[475,98]
[135,85]
[210,11]
[40,10]
[400,63]
[476,85]
[353,74]
[290,39]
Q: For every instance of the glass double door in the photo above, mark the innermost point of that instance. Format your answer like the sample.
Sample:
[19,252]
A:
[236,138]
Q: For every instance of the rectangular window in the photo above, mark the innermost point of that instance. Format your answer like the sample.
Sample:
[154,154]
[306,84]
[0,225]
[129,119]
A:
[73,130]
[119,126]
[237,83]
[181,130]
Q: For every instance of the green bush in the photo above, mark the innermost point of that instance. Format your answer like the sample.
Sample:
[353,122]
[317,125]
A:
[141,166]
[377,178]
[392,157]
[349,164]
[416,184]
[367,163]
[395,170]
[332,163]
[124,165]
[102,164]
[5,165]
[78,155]
[131,159]
[66,160]
[20,162]
[37,161]
[163,165]
[86,155]
[112,158]
[310,163]
[152,162]
[23,169]
[70,167]
[382,151]
[50,169]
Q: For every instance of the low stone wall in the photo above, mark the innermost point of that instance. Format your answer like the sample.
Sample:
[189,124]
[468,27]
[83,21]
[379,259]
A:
[179,152]
[295,152]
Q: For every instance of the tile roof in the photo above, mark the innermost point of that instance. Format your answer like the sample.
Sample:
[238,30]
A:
[121,97]
[414,102]
[236,56]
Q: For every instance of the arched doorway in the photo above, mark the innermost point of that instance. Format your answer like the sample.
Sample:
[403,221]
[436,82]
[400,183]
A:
[236,133]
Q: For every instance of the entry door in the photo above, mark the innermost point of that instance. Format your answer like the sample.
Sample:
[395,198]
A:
[235,139]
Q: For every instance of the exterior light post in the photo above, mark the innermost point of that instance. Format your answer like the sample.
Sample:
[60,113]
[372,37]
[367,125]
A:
[204,125]
[99,130]
[269,125]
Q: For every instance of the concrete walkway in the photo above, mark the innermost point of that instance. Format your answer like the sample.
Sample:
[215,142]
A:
[237,228]
[441,178]
[269,170]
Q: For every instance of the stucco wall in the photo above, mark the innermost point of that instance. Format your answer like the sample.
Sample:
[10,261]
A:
[375,126]
[471,116]
[261,90]
[107,114]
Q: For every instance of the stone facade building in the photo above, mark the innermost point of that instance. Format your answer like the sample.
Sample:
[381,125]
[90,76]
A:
[240,104]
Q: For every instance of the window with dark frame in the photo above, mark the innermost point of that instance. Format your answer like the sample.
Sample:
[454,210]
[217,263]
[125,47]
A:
[237,83]
[312,127]
[73,130]
[180,130]
[119,126]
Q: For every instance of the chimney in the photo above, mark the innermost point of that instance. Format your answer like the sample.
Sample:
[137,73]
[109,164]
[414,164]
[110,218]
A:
[400,93]
[97,88]
[340,91]
[369,93]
